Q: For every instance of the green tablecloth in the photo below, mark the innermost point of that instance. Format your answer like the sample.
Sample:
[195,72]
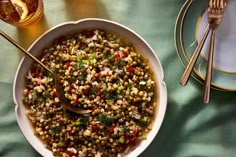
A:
[190,128]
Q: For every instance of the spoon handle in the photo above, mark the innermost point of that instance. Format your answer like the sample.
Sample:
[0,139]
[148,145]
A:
[25,51]
[185,77]
[207,86]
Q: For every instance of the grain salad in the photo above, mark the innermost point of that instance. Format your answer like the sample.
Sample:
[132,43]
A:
[100,72]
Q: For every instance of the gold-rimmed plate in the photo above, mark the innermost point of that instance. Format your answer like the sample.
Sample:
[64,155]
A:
[190,25]
[178,36]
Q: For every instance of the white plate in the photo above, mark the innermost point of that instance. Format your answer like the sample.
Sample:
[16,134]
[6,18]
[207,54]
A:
[225,40]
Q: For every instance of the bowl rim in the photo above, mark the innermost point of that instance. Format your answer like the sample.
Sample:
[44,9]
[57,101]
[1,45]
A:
[162,105]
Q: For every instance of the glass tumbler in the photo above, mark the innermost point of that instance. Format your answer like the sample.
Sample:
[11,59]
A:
[21,13]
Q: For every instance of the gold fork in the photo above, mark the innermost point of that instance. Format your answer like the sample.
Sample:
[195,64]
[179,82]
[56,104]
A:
[215,13]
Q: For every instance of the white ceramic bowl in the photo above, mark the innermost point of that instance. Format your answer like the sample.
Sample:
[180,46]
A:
[70,27]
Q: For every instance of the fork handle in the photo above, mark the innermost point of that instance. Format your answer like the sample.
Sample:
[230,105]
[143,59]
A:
[207,86]
[185,77]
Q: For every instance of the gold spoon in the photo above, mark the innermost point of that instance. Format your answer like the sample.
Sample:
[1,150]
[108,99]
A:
[58,85]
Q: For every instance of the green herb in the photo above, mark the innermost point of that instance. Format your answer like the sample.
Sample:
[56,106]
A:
[25,101]
[46,94]
[112,95]
[94,90]
[63,58]
[57,129]
[106,55]
[120,87]
[80,62]
[72,79]
[81,122]
[60,144]
[126,128]
[119,63]
[92,56]
[144,121]
[107,120]
[121,140]
[129,87]
[51,50]
[82,77]
[36,101]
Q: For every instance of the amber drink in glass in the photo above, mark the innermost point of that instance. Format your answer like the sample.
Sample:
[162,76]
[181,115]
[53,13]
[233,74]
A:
[21,13]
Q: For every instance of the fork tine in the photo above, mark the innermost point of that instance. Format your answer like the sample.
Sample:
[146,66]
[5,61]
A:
[211,3]
[214,3]
[222,4]
[218,3]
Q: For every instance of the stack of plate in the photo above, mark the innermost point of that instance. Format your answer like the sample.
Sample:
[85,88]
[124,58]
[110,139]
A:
[190,25]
